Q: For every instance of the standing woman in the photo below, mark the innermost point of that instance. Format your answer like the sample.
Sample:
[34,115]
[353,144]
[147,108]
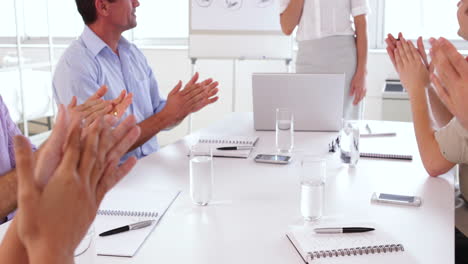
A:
[332,38]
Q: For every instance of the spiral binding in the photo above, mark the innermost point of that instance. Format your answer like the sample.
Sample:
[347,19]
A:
[225,141]
[386,156]
[355,251]
[127,213]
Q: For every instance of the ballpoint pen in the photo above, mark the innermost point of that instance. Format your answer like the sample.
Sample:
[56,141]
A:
[234,148]
[127,228]
[338,230]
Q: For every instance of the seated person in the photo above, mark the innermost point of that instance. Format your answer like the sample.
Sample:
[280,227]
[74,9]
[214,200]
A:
[93,108]
[101,56]
[50,223]
[440,118]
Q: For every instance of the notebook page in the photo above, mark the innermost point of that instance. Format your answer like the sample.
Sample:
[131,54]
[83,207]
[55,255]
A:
[213,142]
[306,240]
[129,201]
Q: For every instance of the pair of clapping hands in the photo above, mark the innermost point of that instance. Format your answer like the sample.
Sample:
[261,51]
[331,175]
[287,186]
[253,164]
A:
[59,190]
[448,71]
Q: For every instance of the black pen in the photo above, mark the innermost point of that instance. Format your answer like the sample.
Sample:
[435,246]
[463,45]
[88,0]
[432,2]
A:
[235,148]
[127,228]
[339,230]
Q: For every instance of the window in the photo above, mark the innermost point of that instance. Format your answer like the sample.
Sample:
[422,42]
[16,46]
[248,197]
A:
[426,18]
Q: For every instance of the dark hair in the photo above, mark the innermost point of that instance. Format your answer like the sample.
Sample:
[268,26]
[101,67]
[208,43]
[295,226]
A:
[87,10]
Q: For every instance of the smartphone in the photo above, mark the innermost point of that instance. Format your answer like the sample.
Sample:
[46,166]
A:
[276,159]
[396,199]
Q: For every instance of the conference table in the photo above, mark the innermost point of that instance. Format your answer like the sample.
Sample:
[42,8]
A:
[254,203]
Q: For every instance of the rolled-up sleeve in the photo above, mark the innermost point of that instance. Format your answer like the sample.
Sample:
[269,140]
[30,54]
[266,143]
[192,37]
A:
[283,4]
[359,7]
[453,141]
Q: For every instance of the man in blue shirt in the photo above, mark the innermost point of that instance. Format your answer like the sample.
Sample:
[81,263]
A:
[101,56]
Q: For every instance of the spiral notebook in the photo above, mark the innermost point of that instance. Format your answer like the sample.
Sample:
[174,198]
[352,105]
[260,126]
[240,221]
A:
[121,207]
[213,142]
[367,247]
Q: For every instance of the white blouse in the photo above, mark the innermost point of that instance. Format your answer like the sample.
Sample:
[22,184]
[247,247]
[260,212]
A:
[324,18]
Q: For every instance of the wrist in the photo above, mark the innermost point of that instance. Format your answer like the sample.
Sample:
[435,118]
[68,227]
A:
[46,253]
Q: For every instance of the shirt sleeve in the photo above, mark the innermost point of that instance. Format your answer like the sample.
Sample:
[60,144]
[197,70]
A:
[453,141]
[12,131]
[74,78]
[283,4]
[359,7]
[158,102]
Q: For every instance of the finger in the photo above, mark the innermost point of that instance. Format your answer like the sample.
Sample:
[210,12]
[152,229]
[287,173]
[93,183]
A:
[27,189]
[72,103]
[356,96]
[72,151]
[422,51]
[110,120]
[123,106]
[398,60]
[415,53]
[193,80]
[97,114]
[407,49]
[99,93]
[391,38]
[123,145]
[122,129]
[391,54]
[53,148]
[112,176]
[176,89]
[90,151]
[442,92]
[120,98]
[455,58]
[445,70]
[105,144]
[401,51]
[85,107]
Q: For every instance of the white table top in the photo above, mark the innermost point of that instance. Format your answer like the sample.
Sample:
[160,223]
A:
[255,203]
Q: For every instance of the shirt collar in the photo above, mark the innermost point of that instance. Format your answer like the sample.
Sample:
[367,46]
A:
[95,44]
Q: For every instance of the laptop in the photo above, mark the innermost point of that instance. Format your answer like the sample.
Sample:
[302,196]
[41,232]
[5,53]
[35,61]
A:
[316,100]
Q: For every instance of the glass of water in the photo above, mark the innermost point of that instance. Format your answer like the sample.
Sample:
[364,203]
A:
[85,242]
[201,175]
[349,143]
[284,130]
[313,174]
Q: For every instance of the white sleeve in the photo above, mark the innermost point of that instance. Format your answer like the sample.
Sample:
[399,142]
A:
[359,7]
[283,4]
[453,142]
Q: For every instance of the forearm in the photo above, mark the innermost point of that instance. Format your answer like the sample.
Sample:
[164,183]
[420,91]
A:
[434,163]
[152,126]
[12,250]
[440,114]
[290,18]
[46,255]
[361,44]
[8,193]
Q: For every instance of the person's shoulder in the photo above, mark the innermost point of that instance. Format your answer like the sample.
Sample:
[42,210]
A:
[76,56]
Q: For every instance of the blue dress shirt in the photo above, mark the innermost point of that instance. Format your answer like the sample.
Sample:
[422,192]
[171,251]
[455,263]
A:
[90,63]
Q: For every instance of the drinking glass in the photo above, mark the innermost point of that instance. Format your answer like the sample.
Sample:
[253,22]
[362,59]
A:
[284,130]
[85,242]
[201,175]
[349,143]
[313,174]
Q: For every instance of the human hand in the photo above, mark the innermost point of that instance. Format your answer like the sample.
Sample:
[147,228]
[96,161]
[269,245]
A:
[358,87]
[192,98]
[52,220]
[93,108]
[414,74]
[391,46]
[120,104]
[451,78]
